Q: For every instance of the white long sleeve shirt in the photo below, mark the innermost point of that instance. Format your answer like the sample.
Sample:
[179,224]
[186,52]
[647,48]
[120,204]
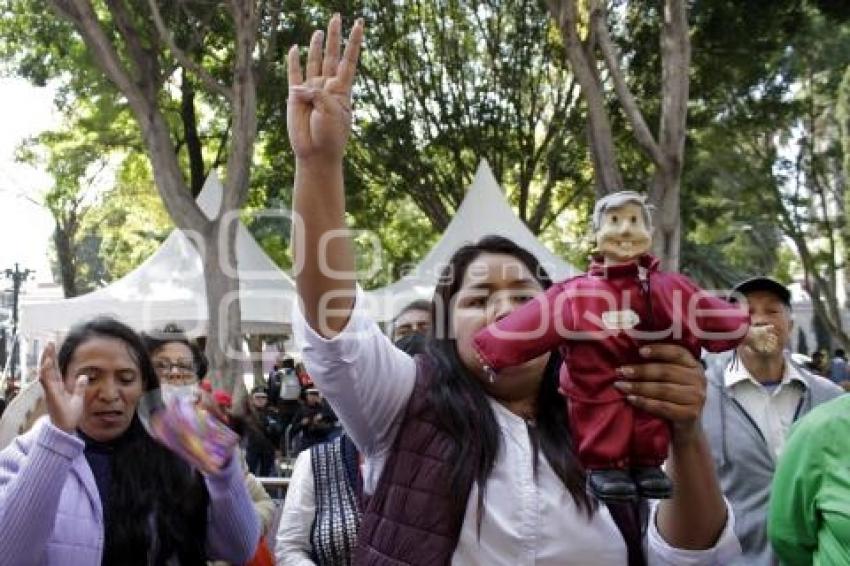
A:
[772,408]
[526,521]
[292,545]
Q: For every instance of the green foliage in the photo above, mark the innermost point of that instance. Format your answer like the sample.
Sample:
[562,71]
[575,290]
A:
[446,83]
[130,221]
[108,215]
[787,264]
[125,221]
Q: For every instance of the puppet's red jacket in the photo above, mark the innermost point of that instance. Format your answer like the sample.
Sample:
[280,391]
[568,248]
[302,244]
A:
[601,319]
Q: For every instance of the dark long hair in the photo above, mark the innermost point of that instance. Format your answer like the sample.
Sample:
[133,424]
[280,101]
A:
[461,403]
[147,480]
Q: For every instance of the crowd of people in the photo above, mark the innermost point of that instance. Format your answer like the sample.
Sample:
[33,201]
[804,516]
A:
[410,451]
[835,369]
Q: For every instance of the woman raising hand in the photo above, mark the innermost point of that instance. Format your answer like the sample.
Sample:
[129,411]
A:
[459,469]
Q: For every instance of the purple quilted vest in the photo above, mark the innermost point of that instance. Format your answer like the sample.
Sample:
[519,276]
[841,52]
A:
[412,518]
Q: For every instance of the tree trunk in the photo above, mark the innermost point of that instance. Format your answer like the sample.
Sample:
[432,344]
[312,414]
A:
[667,237]
[829,313]
[197,175]
[666,188]
[666,152]
[224,327]
[65,258]
[255,347]
[583,64]
[825,304]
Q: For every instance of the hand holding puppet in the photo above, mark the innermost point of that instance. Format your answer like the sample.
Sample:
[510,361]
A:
[599,321]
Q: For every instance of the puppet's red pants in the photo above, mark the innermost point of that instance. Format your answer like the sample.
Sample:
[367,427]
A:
[617,435]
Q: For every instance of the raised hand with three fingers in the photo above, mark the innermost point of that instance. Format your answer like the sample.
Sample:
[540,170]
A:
[319,106]
[65,402]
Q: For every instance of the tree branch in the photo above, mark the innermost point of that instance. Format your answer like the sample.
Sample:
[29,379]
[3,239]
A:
[268,54]
[675,65]
[185,61]
[157,137]
[566,204]
[220,151]
[144,61]
[600,136]
[645,139]
[244,107]
[82,15]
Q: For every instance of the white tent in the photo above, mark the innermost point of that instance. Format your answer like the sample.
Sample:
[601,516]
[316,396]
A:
[169,287]
[22,412]
[484,211]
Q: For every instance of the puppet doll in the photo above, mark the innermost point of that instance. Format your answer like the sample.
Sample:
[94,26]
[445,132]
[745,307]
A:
[599,321]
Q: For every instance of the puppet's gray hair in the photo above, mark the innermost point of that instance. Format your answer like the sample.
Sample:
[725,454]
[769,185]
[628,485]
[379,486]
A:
[618,199]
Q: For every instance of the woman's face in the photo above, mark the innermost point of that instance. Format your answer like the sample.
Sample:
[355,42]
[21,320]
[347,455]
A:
[174,364]
[114,389]
[492,287]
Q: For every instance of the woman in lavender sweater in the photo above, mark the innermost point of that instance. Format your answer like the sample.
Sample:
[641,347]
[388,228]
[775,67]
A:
[87,486]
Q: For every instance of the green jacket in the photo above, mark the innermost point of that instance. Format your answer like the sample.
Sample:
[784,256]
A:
[809,517]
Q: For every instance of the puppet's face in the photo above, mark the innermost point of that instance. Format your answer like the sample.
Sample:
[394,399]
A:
[623,234]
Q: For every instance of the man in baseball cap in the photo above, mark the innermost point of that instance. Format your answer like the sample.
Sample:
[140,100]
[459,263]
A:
[766,284]
[753,396]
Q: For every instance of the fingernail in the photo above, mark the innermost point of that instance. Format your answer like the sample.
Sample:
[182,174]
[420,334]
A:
[645,351]
[622,385]
[626,371]
[631,398]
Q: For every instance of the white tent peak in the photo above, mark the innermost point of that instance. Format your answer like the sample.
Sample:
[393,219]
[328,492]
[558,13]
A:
[484,211]
[169,286]
[484,188]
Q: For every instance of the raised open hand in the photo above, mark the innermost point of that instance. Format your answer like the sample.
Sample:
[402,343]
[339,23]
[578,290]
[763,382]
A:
[319,107]
[64,406]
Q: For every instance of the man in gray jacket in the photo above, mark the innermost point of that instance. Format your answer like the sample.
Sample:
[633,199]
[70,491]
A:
[752,399]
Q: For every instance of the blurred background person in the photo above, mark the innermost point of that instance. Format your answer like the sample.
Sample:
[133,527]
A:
[303,377]
[837,372]
[289,397]
[816,365]
[321,517]
[809,519]
[178,361]
[224,401]
[414,318]
[181,366]
[260,426]
[314,422]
